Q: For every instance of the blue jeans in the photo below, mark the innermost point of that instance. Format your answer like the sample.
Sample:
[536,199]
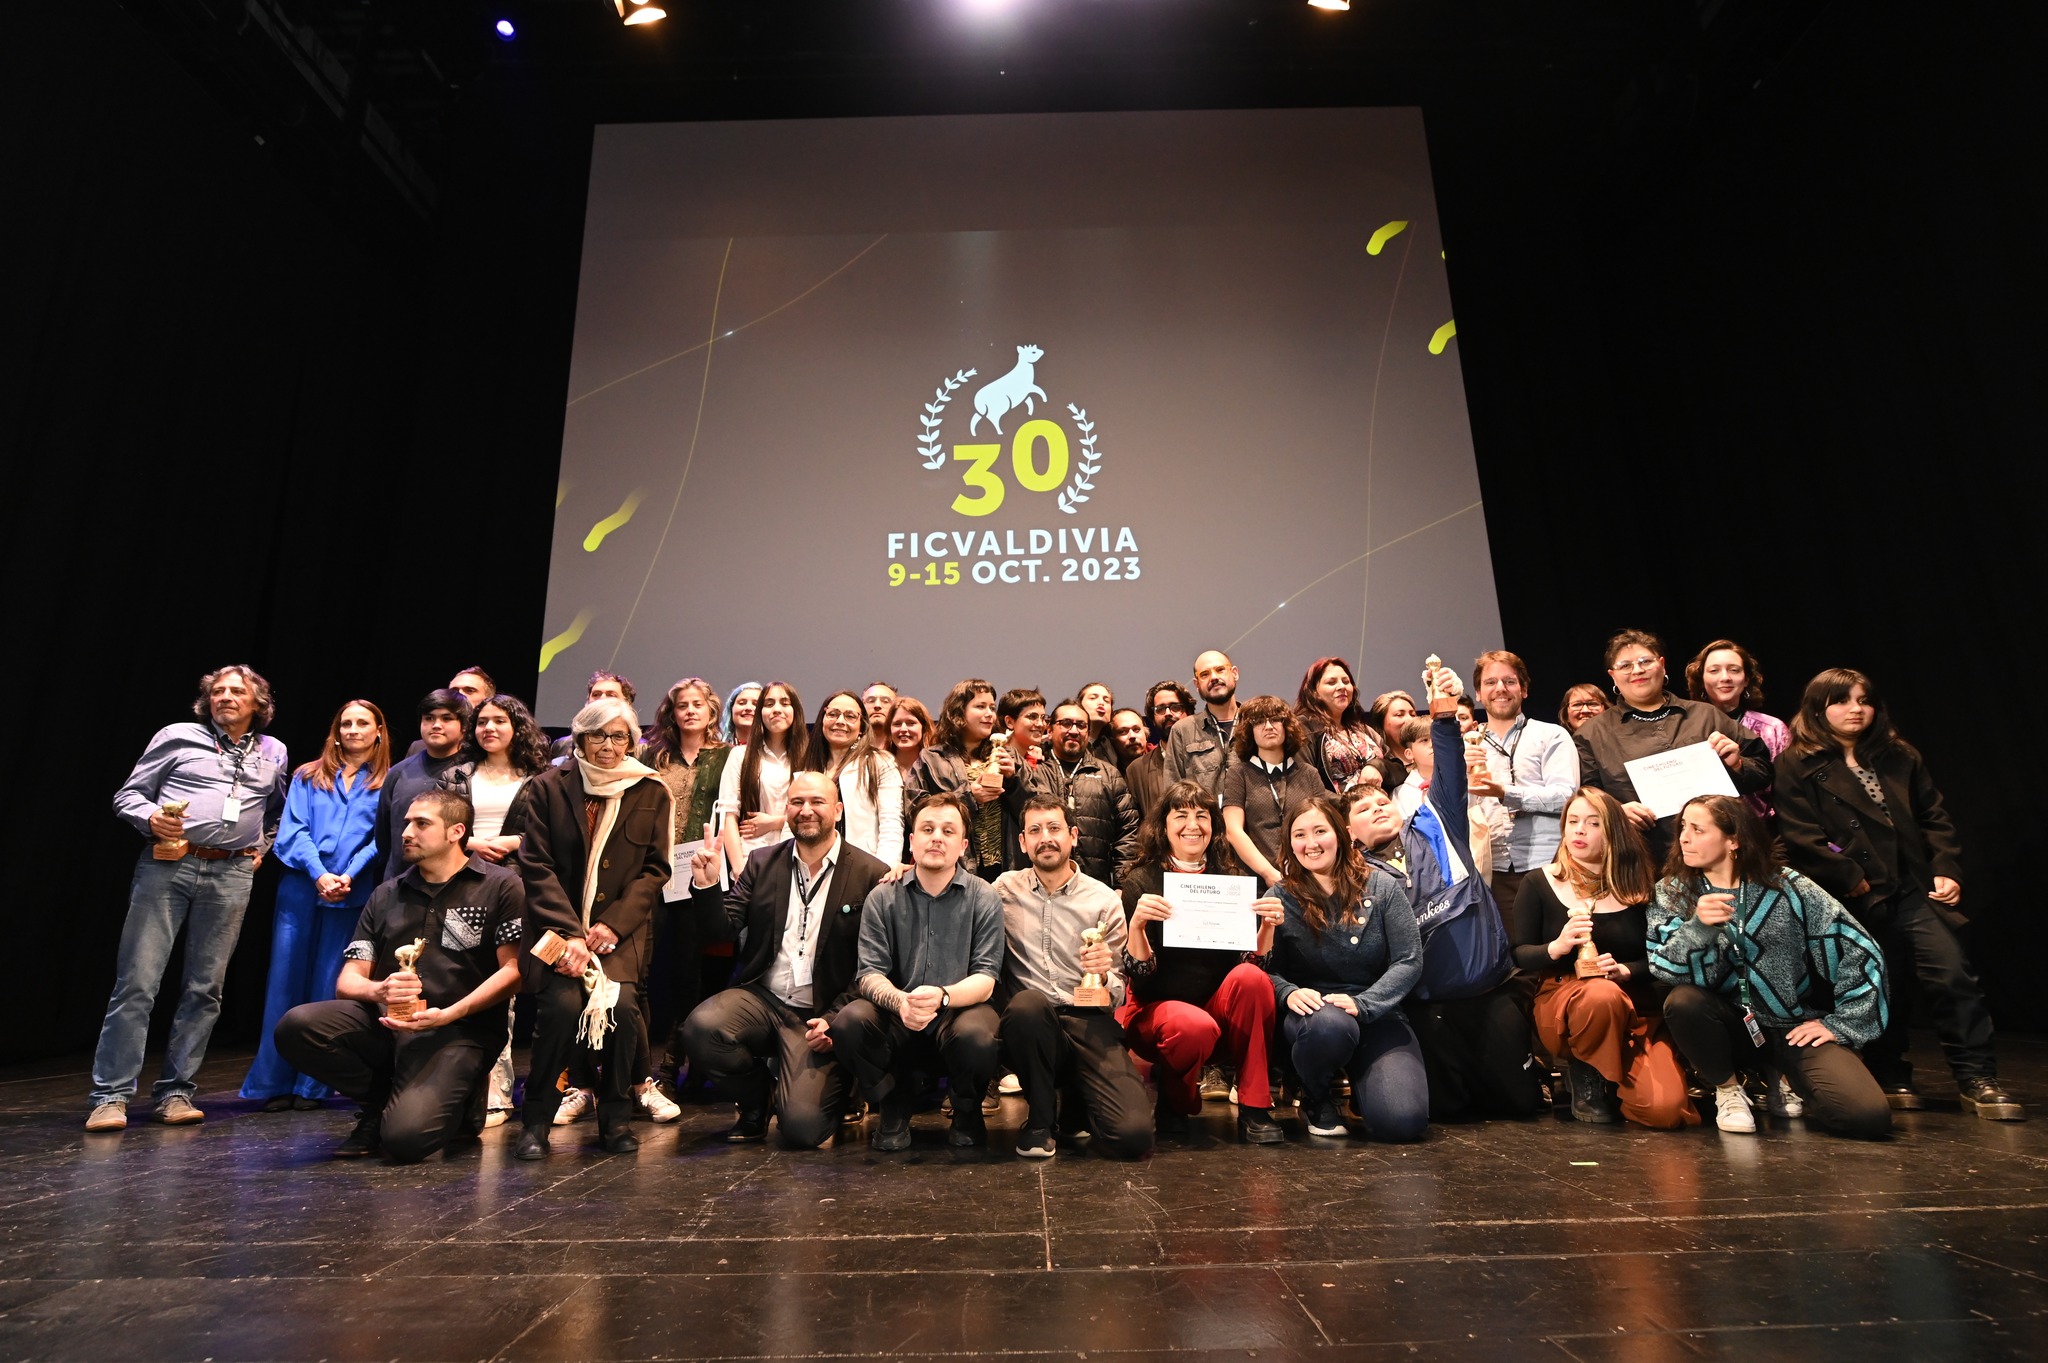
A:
[1382,1059]
[206,900]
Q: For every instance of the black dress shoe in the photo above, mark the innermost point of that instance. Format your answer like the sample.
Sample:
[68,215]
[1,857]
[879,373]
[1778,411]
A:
[1903,1097]
[619,1142]
[281,1103]
[1991,1102]
[363,1140]
[969,1130]
[751,1128]
[892,1130]
[1255,1126]
[533,1143]
[1169,1120]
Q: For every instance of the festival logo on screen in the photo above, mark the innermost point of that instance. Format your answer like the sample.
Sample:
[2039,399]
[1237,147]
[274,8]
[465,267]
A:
[1013,456]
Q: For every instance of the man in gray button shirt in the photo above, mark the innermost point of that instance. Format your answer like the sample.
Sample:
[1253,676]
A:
[1053,1043]
[931,948]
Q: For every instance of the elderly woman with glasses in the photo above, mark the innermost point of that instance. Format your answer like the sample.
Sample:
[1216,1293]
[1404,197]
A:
[597,850]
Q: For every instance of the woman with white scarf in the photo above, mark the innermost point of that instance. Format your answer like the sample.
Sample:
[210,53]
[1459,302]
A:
[597,850]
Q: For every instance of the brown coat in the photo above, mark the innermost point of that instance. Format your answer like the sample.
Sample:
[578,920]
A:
[555,849]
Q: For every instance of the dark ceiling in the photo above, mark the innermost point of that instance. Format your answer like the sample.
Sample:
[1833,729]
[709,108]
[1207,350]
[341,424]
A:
[371,105]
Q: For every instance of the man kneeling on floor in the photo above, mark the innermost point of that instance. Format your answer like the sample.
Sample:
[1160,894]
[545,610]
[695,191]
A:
[1053,1042]
[931,947]
[418,1076]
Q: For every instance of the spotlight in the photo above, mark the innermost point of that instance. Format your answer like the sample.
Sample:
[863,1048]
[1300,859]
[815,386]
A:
[639,12]
[1330,4]
[505,30]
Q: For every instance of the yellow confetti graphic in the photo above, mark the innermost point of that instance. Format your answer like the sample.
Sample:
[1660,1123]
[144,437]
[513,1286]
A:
[1383,236]
[555,647]
[1442,337]
[612,522]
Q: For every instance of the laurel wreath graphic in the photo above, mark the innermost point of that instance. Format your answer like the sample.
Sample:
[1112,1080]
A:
[930,451]
[1083,481]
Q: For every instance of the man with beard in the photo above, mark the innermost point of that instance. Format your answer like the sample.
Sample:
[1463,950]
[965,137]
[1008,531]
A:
[1166,704]
[1198,749]
[1053,1043]
[796,912]
[1098,805]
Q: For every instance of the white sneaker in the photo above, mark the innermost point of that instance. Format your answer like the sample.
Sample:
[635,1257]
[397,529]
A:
[1731,1109]
[575,1106]
[1009,1086]
[495,1117]
[657,1104]
[1782,1100]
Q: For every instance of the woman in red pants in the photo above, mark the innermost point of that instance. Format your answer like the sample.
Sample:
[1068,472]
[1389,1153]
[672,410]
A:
[1185,1005]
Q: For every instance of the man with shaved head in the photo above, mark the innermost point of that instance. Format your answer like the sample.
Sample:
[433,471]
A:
[1198,748]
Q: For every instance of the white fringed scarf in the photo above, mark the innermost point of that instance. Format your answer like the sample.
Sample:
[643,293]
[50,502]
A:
[606,784]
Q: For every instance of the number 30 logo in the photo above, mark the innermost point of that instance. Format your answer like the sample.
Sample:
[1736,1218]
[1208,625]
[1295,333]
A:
[987,486]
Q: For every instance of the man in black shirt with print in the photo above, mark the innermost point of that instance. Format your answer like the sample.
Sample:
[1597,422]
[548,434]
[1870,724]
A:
[417,1077]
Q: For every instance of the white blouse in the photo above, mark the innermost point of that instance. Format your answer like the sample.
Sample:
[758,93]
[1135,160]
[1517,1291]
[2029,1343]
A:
[774,776]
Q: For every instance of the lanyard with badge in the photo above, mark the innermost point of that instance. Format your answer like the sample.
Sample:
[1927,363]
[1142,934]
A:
[804,896]
[1749,1022]
[231,805]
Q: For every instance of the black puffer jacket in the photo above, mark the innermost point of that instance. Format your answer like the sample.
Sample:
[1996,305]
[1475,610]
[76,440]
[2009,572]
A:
[1099,806]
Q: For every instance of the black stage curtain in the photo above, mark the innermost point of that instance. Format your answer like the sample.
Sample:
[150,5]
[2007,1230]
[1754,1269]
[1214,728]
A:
[1778,381]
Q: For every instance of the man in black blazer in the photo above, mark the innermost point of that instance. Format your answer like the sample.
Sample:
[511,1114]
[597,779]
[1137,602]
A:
[795,909]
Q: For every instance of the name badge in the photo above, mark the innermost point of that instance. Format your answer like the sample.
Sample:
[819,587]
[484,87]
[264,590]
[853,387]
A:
[231,809]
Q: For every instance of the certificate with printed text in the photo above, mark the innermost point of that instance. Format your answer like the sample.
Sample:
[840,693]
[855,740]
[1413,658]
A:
[1214,912]
[1667,780]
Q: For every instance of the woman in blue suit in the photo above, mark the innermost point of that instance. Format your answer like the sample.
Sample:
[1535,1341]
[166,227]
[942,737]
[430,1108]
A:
[327,836]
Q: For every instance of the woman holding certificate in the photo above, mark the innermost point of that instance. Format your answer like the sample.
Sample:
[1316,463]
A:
[1346,953]
[1579,926]
[1188,1006]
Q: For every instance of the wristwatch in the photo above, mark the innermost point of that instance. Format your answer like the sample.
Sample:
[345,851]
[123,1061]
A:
[945,997]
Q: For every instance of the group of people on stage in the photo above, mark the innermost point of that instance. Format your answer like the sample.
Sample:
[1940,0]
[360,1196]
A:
[1458,910]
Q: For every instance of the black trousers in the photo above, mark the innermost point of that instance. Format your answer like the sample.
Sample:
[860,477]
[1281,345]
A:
[1914,938]
[1082,1050]
[1477,1053]
[426,1086]
[621,1060]
[738,1036]
[679,977]
[1837,1088]
[883,1053]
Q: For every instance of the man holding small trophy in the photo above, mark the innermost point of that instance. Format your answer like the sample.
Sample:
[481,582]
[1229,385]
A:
[208,797]
[419,1014]
[1063,932]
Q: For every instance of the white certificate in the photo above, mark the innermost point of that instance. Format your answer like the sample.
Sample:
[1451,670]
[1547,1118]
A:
[1667,780]
[1211,911]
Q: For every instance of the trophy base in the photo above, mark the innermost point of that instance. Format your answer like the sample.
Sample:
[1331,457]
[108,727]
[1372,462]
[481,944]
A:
[549,947]
[1092,996]
[177,849]
[403,1012]
[1590,970]
[1441,707]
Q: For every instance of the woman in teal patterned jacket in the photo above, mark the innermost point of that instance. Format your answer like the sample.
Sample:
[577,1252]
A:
[1769,974]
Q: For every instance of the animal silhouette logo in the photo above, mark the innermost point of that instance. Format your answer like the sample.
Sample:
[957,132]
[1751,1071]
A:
[1014,389]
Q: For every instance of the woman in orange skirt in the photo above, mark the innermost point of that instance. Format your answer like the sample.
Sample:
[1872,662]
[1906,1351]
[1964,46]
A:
[1580,927]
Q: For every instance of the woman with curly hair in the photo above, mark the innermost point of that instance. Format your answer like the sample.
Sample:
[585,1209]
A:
[1728,676]
[1342,741]
[962,759]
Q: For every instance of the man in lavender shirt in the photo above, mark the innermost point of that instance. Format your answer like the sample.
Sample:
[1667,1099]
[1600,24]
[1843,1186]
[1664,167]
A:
[231,778]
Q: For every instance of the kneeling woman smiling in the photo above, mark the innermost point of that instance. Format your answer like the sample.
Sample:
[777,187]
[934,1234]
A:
[1345,955]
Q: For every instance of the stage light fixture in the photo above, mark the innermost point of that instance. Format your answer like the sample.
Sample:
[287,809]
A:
[505,30]
[1330,4]
[639,12]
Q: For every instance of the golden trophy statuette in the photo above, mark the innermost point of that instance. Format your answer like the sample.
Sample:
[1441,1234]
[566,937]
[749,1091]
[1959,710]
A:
[1091,992]
[1440,703]
[172,849]
[408,958]
[1588,964]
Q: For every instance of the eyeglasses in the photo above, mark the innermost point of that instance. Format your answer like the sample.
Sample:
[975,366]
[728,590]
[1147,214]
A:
[1070,724]
[846,716]
[1634,665]
[608,740]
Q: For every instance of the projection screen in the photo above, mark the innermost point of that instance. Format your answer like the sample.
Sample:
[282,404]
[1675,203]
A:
[1046,399]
